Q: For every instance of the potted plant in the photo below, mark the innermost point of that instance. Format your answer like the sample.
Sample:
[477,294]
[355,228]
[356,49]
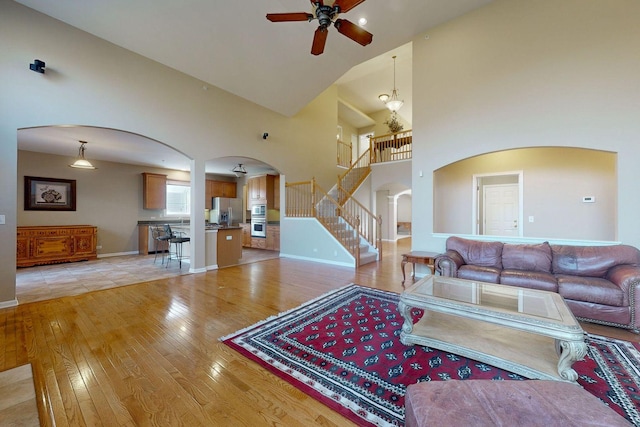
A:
[393,124]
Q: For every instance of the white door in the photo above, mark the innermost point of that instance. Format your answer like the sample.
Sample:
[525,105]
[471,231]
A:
[500,210]
[364,144]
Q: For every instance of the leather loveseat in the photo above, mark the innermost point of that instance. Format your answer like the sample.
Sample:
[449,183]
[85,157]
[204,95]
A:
[600,284]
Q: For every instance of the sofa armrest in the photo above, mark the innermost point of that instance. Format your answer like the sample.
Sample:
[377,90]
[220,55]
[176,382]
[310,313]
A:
[448,263]
[627,278]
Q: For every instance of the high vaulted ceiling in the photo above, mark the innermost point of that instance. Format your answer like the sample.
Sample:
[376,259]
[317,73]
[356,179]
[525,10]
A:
[231,44]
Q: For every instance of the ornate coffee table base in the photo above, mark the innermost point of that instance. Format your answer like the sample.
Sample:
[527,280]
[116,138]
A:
[569,352]
[526,353]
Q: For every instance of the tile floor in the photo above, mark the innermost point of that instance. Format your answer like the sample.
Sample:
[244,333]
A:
[53,281]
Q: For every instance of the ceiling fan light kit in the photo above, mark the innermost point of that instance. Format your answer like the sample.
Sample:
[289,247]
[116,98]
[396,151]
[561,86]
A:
[81,162]
[327,15]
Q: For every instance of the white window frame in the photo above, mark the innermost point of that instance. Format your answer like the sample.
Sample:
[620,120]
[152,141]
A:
[185,187]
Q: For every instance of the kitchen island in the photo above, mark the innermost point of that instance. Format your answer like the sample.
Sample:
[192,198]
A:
[229,248]
[223,244]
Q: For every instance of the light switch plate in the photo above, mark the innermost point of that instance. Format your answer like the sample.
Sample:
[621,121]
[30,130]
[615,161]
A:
[2,219]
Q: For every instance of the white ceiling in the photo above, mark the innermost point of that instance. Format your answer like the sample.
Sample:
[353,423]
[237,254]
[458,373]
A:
[233,46]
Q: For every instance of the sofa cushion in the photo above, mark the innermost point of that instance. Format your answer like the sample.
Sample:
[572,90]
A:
[602,313]
[529,279]
[484,254]
[591,261]
[527,257]
[590,289]
[482,274]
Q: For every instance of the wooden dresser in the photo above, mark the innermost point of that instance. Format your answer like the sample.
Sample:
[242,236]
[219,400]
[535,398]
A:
[53,244]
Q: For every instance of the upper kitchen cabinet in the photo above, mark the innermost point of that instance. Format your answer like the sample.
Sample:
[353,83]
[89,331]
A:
[219,189]
[260,189]
[276,192]
[154,190]
[223,189]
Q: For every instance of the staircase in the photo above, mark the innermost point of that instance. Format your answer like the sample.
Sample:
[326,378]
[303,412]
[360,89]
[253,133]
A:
[339,223]
[351,223]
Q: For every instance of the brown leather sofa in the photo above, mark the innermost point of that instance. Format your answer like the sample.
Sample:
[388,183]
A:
[600,284]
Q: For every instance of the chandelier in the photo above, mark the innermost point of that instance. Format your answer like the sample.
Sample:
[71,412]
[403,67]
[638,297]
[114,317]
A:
[81,162]
[392,102]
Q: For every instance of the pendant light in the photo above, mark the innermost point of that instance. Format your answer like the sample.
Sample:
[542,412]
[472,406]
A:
[239,169]
[81,162]
[392,102]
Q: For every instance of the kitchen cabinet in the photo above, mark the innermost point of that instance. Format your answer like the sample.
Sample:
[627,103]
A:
[276,192]
[260,190]
[154,190]
[40,245]
[246,235]
[259,242]
[219,189]
[273,238]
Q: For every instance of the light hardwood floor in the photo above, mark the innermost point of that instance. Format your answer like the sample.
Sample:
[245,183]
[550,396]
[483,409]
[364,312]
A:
[148,353]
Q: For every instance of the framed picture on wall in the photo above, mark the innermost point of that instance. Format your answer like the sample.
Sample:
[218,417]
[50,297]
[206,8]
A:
[49,194]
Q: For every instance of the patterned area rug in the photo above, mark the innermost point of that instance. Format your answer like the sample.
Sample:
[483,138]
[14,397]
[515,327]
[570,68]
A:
[344,349]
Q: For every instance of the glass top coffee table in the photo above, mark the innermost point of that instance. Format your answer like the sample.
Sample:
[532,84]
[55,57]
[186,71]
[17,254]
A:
[529,332]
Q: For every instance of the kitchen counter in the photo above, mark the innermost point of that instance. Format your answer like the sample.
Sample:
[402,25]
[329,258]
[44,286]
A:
[222,227]
[163,221]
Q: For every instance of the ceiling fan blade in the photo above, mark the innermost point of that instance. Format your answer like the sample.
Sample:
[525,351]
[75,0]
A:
[354,32]
[288,17]
[319,40]
[347,5]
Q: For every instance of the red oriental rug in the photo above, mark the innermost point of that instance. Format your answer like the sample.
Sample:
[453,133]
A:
[344,349]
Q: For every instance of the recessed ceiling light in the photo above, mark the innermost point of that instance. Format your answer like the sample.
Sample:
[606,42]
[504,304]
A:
[362,22]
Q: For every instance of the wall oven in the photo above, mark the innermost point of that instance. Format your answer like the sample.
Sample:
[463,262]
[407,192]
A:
[259,210]
[258,227]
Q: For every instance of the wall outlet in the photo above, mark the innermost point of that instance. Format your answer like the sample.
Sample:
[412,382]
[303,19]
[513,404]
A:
[229,237]
[531,218]
[99,247]
[2,219]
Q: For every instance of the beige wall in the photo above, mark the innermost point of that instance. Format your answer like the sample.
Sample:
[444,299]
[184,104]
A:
[520,73]
[91,82]
[109,197]
[554,182]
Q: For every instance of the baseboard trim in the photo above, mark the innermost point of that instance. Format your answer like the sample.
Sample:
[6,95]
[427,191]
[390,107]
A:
[322,261]
[117,254]
[7,304]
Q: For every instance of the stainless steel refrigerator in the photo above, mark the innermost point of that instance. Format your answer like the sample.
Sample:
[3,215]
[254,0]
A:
[225,211]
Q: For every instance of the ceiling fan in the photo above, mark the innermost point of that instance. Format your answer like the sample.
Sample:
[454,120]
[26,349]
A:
[326,15]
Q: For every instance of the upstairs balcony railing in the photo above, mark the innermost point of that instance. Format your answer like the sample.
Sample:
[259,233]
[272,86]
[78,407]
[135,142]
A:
[391,147]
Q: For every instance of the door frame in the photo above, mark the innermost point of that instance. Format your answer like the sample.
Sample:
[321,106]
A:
[475,205]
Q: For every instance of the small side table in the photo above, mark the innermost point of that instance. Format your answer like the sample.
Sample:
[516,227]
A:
[418,257]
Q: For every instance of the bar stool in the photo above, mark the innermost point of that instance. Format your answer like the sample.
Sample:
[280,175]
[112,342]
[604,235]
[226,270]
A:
[177,238]
[160,240]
